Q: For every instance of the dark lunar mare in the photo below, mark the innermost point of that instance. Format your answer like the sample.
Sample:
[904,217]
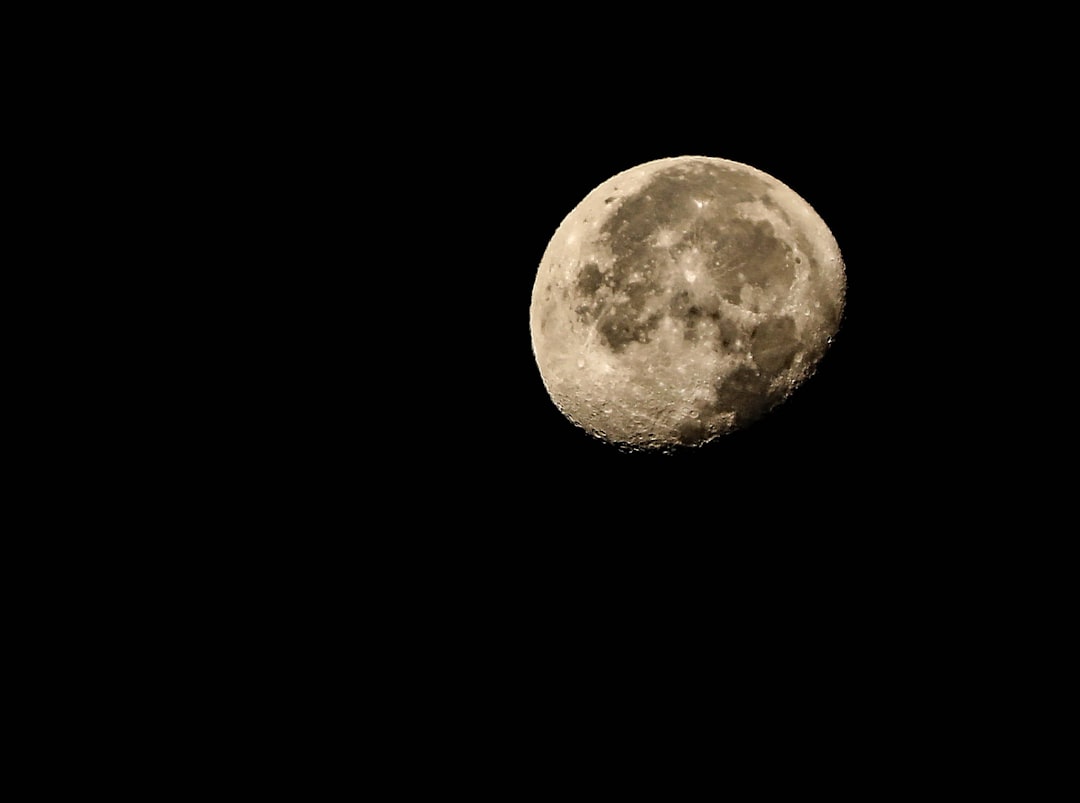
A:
[743,252]
[664,203]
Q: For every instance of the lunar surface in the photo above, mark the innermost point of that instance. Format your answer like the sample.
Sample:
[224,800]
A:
[683,299]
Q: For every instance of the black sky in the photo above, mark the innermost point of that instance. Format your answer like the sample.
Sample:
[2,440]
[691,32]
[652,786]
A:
[500,142]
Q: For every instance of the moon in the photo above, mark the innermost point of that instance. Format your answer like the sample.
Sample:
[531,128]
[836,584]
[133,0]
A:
[681,300]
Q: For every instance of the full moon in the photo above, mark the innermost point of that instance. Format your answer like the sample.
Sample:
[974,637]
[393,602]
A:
[682,299]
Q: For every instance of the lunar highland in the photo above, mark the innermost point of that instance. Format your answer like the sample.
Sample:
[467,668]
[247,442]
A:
[682,299]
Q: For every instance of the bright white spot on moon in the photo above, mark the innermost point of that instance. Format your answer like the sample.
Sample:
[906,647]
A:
[665,238]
